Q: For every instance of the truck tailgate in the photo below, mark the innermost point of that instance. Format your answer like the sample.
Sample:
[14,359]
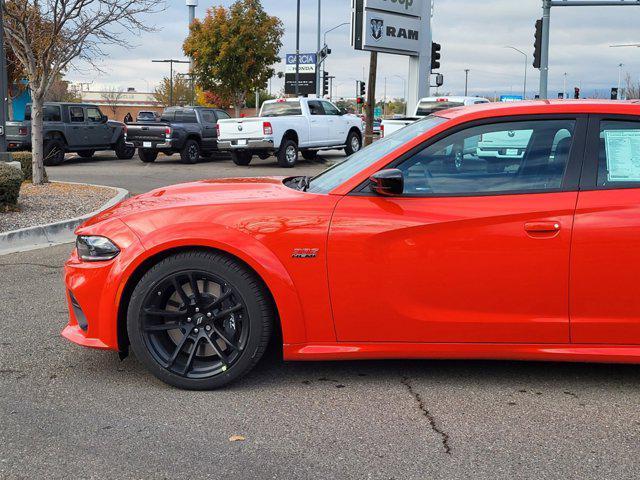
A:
[233,129]
[143,133]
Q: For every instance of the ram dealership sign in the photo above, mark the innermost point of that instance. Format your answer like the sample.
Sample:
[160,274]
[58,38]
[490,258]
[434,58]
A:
[392,26]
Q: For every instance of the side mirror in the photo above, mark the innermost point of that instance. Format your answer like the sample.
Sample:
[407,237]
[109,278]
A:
[387,182]
[104,119]
[343,111]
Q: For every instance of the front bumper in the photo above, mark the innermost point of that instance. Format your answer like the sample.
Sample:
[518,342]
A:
[249,144]
[94,289]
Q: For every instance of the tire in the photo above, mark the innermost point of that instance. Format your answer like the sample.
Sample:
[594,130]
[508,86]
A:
[190,152]
[354,143]
[147,155]
[86,153]
[456,163]
[123,152]
[164,344]
[241,158]
[309,154]
[288,153]
[53,152]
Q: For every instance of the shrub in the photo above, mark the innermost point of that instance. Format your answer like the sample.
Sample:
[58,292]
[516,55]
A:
[26,159]
[10,181]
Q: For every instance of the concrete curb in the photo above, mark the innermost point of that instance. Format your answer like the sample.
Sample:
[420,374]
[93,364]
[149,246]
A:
[42,236]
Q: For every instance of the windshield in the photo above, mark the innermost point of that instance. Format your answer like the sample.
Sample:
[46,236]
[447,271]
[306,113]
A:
[280,109]
[340,173]
[429,107]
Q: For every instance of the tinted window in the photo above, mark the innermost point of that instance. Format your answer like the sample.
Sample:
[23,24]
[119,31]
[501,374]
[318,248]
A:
[222,114]
[428,107]
[76,114]
[341,172]
[279,109]
[51,113]
[208,116]
[330,109]
[619,154]
[315,108]
[503,157]
[168,116]
[186,116]
[94,115]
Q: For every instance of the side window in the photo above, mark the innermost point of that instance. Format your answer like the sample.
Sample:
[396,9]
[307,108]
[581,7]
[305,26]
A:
[315,108]
[330,109]
[222,114]
[208,116]
[76,114]
[186,116]
[619,154]
[94,115]
[52,113]
[168,116]
[488,159]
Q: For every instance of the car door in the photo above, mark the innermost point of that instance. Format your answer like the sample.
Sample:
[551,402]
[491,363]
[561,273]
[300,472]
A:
[338,125]
[605,253]
[464,255]
[318,123]
[77,134]
[208,121]
[99,132]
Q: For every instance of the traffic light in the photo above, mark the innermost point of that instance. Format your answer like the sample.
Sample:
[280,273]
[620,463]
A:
[576,93]
[537,52]
[362,89]
[359,100]
[614,94]
[435,55]
[325,84]
[324,52]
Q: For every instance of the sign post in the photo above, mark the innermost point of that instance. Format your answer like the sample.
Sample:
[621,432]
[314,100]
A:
[400,27]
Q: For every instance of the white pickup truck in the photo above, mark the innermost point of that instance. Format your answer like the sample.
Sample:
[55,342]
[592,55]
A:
[427,106]
[288,126]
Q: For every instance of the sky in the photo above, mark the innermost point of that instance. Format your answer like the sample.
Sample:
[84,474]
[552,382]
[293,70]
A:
[473,35]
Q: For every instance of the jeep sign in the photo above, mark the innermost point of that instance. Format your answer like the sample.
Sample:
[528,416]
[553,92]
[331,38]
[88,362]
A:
[405,7]
[391,33]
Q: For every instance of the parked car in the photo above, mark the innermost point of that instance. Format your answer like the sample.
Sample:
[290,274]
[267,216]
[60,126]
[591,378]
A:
[386,255]
[148,116]
[428,106]
[287,126]
[189,131]
[71,127]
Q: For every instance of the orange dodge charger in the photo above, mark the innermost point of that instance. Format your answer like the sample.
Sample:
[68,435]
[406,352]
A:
[502,231]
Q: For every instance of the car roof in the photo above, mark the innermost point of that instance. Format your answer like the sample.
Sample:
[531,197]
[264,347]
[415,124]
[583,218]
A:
[541,107]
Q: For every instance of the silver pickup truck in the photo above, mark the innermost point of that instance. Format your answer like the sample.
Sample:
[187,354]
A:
[71,127]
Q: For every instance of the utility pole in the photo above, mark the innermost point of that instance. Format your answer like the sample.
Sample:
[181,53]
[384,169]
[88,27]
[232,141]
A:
[564,86]
[371,98]
[4,95]
[298,50]
[466,81]
[620,80]
[170,62]
[318,87]
[546,22]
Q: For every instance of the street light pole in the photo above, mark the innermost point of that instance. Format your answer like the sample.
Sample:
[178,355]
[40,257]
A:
[564,87]
[620,80]
[298,50]
[4,96]
[526,65]
[318,89]
[170,62]
[466,81]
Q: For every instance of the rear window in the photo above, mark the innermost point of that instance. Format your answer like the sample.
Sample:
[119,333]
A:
[280,109]
[51,113]
[427,108]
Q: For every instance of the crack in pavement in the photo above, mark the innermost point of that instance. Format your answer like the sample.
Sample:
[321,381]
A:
[432,421]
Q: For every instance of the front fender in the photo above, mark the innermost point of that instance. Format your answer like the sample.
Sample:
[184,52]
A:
[240,245]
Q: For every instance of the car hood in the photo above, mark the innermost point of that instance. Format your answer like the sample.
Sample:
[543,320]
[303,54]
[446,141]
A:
[225,191]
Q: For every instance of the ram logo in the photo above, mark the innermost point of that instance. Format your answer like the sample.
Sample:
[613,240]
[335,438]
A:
[376,28]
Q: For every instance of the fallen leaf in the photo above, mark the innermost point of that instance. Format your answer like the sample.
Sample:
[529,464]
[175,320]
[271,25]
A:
[236,438]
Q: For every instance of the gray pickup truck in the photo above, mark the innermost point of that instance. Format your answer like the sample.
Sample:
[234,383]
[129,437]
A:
[189,131]
[71,127]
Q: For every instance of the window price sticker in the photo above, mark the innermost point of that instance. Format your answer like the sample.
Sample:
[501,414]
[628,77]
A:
[623,155]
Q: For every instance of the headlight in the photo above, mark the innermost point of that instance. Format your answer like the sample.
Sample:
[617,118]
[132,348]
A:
[96,249]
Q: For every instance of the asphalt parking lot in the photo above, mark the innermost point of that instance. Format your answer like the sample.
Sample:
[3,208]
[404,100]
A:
[68,412]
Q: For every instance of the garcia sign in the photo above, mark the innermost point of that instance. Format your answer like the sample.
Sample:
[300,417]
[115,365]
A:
[405,7]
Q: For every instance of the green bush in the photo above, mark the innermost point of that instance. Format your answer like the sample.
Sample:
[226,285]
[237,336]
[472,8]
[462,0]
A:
[10,181]
[26,162]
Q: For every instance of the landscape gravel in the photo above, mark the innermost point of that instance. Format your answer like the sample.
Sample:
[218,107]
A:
[53,202]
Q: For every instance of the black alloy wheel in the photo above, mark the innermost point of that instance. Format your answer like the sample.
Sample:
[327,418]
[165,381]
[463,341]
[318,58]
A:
[53,152]
[199,320]
[190,152]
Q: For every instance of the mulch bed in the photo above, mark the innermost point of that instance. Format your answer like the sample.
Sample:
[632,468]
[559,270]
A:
[53,202]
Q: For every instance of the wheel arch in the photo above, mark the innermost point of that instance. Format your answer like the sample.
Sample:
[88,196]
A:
[289,325]
[56,135]
[290,134]
[356,130]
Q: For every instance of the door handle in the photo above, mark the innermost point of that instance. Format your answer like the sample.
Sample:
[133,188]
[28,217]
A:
[542,227]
